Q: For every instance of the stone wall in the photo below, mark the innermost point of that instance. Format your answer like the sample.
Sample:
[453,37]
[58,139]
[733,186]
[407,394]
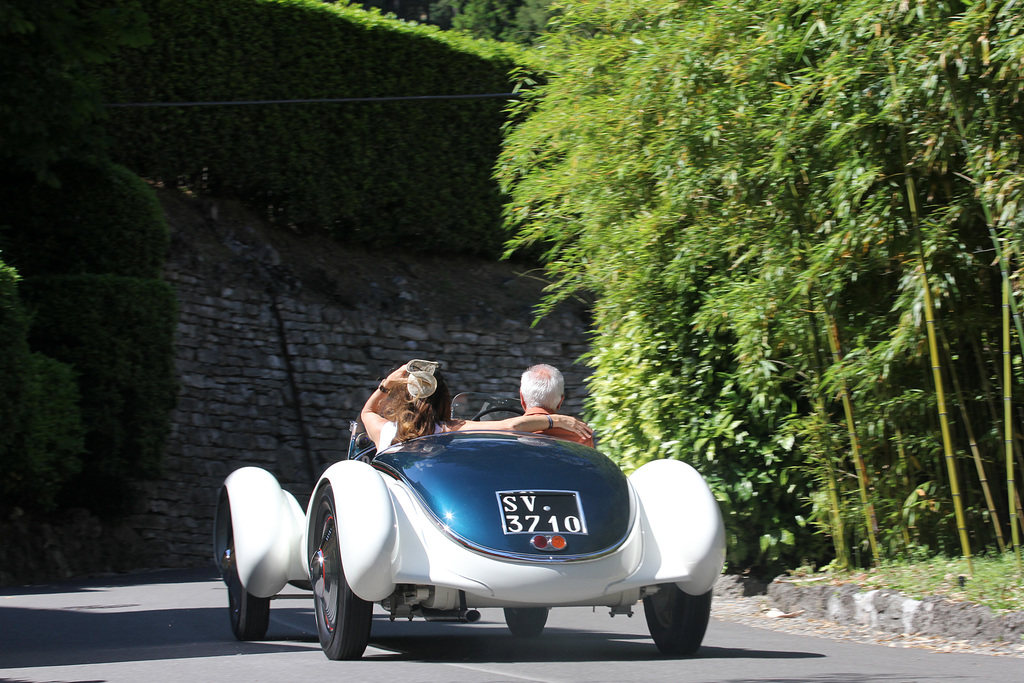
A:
[271,370]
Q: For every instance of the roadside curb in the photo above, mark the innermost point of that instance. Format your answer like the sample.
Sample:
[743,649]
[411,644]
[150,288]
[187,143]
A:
[883,610]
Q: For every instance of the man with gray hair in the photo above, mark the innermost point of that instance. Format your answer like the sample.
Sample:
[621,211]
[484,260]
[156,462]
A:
[541,392]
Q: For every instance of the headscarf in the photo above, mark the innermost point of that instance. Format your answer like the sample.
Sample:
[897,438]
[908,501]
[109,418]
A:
[421,381]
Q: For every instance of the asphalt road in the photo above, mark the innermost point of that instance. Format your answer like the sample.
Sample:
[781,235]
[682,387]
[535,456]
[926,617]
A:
[173,626]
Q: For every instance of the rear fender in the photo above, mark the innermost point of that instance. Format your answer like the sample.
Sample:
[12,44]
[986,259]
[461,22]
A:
[684,541]
[367,530]
[266,524]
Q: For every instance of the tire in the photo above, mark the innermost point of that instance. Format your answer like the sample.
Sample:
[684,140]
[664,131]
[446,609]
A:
[342,618]
[250,616]
[677,621]
[526,622]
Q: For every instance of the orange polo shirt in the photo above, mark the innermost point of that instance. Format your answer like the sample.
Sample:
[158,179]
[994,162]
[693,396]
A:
[558,432]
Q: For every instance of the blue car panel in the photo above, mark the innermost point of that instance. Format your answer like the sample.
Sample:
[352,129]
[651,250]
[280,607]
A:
[522,496]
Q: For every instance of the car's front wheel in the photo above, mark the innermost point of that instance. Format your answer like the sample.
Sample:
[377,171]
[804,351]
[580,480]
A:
[526,622]
[342,618]
[677,620]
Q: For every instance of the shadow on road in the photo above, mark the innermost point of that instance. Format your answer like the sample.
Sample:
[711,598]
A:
[472,644]
[56,637]
[92,584]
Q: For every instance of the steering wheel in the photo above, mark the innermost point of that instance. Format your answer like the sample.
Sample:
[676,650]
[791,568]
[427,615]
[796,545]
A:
[487,410]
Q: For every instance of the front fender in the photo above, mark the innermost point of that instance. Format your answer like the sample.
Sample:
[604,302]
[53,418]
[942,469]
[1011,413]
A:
[265,523]
[684,539]
[367,530]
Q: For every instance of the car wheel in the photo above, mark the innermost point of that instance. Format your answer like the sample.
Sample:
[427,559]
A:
[342,618]
[526,622]
[250,616]
[677,620]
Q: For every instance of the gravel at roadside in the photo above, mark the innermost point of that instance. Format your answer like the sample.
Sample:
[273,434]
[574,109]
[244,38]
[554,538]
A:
[880,617]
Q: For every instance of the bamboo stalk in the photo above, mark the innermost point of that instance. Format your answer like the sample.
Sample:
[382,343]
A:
[1017,452]
[904,467]
[862,475]
[929,312]
[835,510]
[940,396]
[1008,303]
[975,451]
[1008,422]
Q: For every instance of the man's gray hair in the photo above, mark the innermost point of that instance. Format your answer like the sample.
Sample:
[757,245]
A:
[542,385]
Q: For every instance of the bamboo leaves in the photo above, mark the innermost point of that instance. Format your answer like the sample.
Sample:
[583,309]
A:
[715,174]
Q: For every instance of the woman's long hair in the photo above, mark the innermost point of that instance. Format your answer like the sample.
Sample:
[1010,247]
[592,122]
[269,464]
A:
[417,417]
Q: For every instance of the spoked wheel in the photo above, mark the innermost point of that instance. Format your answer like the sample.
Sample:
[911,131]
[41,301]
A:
[526,622]
[677,620]
[342,618]
[250,616]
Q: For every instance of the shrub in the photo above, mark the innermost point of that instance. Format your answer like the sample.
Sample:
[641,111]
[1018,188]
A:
[13,350]
[40,422]
[103,219]
[47,451]
[117,332]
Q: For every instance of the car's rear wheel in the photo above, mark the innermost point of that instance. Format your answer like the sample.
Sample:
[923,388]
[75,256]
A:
[342,618]
[250,616]
[526,622]
[677,620]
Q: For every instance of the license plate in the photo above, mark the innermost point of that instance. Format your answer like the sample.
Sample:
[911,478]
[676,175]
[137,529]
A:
[541,512]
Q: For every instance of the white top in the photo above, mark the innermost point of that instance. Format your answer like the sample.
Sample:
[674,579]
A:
[389,430]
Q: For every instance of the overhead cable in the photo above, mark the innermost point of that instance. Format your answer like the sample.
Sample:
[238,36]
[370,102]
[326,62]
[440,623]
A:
[333,100]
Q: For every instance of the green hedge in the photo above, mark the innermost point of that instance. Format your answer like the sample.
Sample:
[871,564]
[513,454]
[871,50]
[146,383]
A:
[90,253]
[40,422]
[117,332]
[102,219]
[50,445]
[413,174]
[13,351]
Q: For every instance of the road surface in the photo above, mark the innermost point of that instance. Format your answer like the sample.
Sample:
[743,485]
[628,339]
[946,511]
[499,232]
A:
[173,626]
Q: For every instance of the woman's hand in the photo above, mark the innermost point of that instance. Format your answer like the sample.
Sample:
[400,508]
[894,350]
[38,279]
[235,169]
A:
[396,378]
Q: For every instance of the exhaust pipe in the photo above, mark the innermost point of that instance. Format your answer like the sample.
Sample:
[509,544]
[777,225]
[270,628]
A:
[464,616]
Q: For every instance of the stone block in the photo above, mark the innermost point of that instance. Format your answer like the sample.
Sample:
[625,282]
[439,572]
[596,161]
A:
[411,331]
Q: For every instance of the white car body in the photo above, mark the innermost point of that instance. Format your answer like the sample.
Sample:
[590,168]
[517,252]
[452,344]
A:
[400,553]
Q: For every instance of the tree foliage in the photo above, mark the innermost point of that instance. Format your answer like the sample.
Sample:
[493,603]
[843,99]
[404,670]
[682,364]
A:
[516,21]
[48,103]
[737,181]
[434,12]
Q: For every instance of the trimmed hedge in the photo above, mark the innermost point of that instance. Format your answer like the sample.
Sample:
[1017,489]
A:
[91,253]
[13,351]
[103,219]
[117,332]
[49,448]
[40,422]
[413,174]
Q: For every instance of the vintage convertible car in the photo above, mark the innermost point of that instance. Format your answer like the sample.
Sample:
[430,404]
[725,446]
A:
[446,524]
